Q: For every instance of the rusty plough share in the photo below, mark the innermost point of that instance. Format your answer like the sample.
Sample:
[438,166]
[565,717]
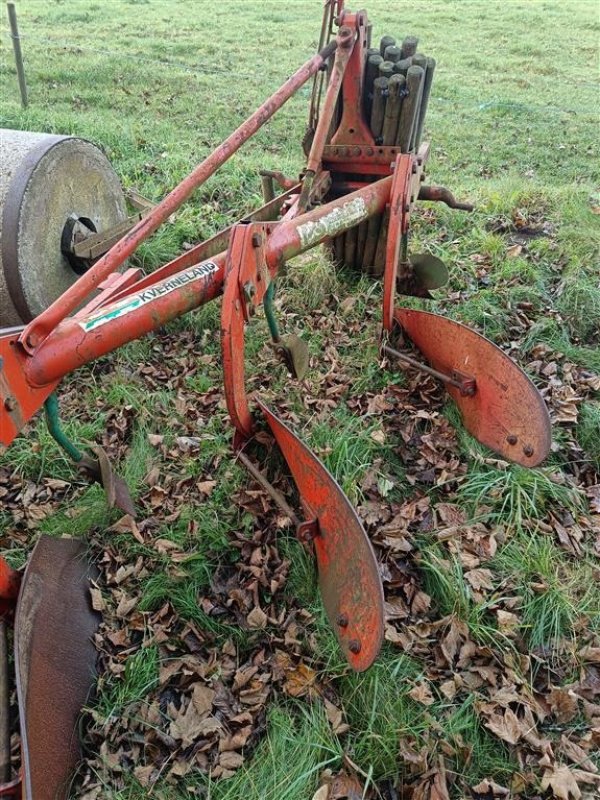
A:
[364,174]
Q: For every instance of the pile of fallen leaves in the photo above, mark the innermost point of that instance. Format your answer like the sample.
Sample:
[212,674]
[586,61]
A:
[208,708]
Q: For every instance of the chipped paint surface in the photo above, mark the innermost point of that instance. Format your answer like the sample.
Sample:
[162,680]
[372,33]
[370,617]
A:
[338,220]
[147,296]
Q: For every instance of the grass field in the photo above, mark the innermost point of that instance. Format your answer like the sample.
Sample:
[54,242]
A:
[490,671]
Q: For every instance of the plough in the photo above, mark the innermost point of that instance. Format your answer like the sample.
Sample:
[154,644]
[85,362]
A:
[364,174]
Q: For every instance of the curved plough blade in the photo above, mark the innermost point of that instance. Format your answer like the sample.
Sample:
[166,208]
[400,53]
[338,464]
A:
[505,412]
[348,574]
[55,663]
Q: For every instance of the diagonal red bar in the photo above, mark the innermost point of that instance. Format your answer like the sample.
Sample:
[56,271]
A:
[37,330]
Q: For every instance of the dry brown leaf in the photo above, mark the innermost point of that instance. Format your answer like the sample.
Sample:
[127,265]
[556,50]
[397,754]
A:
[345,787]
[506,726]
[489,788]
[590,654]
[257,618]
[336,718]
[231,760]
[98,603]
[422,694]
[146,775]
[301,681]
[563,703]
[202,699]
[191,725]
[562,783]
[577,754]
[206,487]
[480,579]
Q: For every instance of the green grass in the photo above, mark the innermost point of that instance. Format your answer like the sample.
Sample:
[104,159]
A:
[514,129]
[381,713]
[588,430]
[139,676]
[517,494]
[286,766]
[555,593]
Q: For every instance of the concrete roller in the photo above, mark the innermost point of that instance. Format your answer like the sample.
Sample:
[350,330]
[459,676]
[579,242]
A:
[51,189]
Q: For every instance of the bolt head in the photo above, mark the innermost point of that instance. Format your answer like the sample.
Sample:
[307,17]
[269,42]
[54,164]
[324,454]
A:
[354,646]
[511,438]
[342,620]
[10,404]
[256,240]
[528,450]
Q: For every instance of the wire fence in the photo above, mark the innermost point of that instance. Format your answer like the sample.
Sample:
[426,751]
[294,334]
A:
[481,104]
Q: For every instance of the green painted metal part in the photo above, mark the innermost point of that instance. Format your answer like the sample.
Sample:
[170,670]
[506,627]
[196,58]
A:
[268,302]
[60,437]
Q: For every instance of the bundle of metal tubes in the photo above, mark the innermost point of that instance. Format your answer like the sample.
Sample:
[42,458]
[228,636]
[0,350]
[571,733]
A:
[397,86]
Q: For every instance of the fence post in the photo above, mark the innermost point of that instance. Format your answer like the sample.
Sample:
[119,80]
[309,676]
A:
[14,32]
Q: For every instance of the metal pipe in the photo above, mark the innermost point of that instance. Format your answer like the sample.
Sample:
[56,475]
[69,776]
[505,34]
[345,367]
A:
[45,323]
[345,40]
[443,195]
[75,342]
[274,493]
[209,248]
[412,362]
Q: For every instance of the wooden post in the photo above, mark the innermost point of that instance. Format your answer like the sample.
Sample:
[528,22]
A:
[424,100]
[386,69]
[392,109]
[268,189]
[350,247]
[392,53]
[414,81]
[380,252]
[409,46]
[386,41]
[14,33]
[361,238]
[378,110]
[401,67]
[371,72]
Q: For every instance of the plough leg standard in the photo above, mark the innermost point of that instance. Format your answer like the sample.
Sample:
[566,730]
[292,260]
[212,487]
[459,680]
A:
[364,174]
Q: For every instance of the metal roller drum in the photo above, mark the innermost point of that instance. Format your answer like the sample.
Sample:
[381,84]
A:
[51,187]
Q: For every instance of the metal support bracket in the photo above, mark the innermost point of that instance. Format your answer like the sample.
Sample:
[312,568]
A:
[308,531]
[247,280]
[400,200]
